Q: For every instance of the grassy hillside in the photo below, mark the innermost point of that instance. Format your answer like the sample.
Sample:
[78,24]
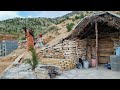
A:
[39,25]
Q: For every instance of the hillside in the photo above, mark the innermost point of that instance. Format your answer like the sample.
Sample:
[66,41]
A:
[51,28]
[13,26]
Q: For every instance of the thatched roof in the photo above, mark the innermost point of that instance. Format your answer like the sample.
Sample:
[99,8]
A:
[87,24]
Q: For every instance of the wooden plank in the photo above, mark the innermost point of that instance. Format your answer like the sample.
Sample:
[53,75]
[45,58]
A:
[105,42]
[103,60]
[106,49]
[105,54]
[106,46]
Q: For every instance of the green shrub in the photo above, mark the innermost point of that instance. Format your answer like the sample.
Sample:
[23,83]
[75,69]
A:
[81,15]
[53,28]
[73,19]
[67,17]
[76,17]
[34,61]
[69,26]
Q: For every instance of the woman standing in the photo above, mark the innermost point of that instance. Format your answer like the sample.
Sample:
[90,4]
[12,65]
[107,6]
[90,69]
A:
[30,38]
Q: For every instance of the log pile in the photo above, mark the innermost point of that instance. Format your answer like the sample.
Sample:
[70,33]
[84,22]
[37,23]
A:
[82,49]
[53,52]
[66,50]
[64,64]
[92,44]
[69,49]
[64,54]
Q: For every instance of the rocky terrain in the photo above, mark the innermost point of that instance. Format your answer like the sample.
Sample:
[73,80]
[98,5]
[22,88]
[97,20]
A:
[24,71]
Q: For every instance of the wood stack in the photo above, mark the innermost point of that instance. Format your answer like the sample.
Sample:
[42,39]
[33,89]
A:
[64,64]
[58,47]
[82,49]
[53,52]
[91,43]
[69,48]
[65,54]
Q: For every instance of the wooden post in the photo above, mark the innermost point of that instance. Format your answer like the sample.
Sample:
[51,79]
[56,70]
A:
[77,54]
[119,37]
[96,30]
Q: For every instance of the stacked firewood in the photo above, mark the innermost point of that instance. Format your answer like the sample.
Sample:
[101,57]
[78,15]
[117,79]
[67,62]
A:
[53,52]
[69,48]
[65,54]
[81,49]
[64,64]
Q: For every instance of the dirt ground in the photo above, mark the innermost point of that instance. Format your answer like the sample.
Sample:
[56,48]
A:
[5,61]
[90,73]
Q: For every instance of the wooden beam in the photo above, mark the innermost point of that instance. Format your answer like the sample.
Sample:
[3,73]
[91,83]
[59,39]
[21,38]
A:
[96,30]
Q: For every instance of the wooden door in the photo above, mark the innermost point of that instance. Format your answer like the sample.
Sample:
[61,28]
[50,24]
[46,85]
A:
[105,49]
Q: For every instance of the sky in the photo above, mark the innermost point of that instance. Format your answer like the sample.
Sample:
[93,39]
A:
[49,14]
